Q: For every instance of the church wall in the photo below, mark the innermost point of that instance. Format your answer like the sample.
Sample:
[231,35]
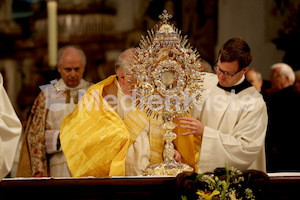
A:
[208,24]
[250,20]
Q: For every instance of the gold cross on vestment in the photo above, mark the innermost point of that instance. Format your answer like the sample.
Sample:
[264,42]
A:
[165,16]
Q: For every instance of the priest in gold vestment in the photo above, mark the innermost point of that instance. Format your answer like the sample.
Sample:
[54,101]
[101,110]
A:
[41,153]
[106,135]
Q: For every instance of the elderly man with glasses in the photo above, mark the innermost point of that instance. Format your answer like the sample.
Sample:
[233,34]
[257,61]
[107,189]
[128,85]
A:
[106,135]
[283,128]
[232,118]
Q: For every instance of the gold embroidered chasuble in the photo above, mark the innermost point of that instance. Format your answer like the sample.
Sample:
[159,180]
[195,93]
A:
[35,165]
[95,139]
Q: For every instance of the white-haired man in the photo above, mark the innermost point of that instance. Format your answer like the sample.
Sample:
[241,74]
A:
[41,153]
[282,76]
[106,135]
[282,135]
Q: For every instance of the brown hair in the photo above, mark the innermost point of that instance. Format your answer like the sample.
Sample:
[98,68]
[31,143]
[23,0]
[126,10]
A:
[236,49]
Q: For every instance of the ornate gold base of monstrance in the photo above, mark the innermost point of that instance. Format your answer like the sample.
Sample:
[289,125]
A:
[169,81]
[169,166]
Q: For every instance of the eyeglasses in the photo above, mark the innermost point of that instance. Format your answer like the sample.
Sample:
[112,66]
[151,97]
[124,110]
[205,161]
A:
[226,74]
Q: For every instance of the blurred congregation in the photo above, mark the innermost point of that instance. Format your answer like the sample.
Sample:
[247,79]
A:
[98,31]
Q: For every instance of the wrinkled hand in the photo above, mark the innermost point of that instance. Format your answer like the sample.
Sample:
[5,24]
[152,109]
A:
[194,125]
[177,156]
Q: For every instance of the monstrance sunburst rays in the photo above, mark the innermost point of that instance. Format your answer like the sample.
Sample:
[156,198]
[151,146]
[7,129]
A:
[169,83]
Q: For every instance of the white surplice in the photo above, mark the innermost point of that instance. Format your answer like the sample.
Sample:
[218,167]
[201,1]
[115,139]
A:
[57,161]
[10,132]
[235,128]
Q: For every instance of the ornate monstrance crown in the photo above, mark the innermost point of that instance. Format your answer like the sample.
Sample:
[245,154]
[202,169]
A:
[168,72]
[169,83]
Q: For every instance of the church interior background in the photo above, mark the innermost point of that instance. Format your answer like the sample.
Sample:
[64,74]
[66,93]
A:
[104,28]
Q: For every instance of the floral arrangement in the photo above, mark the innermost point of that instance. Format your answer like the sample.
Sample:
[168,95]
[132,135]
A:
[223,184]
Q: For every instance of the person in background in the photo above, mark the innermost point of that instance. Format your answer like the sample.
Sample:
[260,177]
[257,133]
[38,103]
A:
[41,143]
[106,135]
[297,81]
[254,77]
[283,107]
[232,119]
[206,65]
[282,76]
[10,132]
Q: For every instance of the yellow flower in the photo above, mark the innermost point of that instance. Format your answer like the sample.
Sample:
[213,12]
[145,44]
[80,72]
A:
[233,197]
[207,195]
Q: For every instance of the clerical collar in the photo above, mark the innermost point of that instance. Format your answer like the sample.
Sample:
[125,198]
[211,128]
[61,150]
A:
[237,88]
[81,85]
[241,80]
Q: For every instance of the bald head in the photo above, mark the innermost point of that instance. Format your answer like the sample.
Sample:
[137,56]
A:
[124,61]
[71,65]
[255,78]
[122,67]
